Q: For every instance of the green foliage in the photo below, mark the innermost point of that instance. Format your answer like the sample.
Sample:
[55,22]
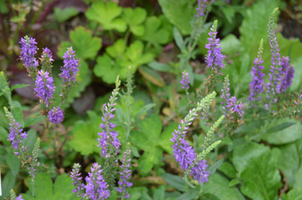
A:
[85,135]
[256,165]
[62,15]
[107,14]
[44,188]
[134,19]
[13,162]
[172,11]
[118,58]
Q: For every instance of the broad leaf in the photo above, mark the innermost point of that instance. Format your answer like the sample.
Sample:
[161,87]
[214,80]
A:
[175,181]
[13,162]
[107,15]
[62,15]
[18,86]
[134,19]
[295,194]
[166,136]
[17,113]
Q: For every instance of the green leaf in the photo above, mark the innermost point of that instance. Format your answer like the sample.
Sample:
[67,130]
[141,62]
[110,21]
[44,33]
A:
[283,132]
[30,120]
[86,134]
[230,45]
[148,159]
[234,182]
[166,136]
[151,76]
[256,166]
[17,112]
[13,162]
[227,169]
[117,49]
[8,183]
[178,39]
[190,194]
[84,44]
[30,141]
[44,188]
[173,9]
[160,66]
[219,186]
[106,14]
[143,110]
[229,13]
[4,136]
[295,194]
[153,121]
[63,15]
[175,181]
[135,18]
[159,193]
[154,33]
[18,86]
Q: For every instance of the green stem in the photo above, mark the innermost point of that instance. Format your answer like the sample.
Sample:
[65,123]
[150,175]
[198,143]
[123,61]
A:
[192,186]
[128,114]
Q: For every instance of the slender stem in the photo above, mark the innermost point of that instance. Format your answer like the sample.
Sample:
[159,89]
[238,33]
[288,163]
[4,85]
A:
[128,114]
[192,186]
[127,36]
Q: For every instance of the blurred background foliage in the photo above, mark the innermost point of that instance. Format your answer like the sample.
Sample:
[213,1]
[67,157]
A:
[108,36]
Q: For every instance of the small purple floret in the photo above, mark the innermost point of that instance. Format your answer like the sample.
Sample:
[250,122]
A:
[125,174]
[16,133]
[185,80]
[56,115]
[70,68]
[199,172]
[256,86]
[28,51]
[201,6]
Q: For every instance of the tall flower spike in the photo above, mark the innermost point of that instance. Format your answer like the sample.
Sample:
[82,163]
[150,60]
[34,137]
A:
[184,154]
[46,60]
[56,115]
[13,195]
[16,133]
[256,86]
[44,87]
[75,175]
[125,173]
[109,135]
[96,187]
[275,77]
[288,72]
[70,68]
[185,80]
[214,58]
[34,161]
[225,93]
[27,53]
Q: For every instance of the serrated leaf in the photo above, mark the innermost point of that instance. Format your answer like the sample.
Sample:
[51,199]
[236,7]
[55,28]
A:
[219,186]
[148,159]
[84,44]
[172,10]
[134,18]
[106,14]
[261,178]
[86,134]
[117,49]
[175,181]
[154,33]
[62,15]
[166,136]
[18,86]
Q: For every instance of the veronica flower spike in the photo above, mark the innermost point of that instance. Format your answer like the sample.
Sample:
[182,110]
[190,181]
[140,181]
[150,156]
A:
[214,57]
[44,87]
[56,115]
[27,54]
[125,174]
[201,7]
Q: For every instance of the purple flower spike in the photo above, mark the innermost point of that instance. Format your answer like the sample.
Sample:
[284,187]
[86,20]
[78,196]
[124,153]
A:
[201,6]
[214,58]
[235,107]
[56,115]
[288,72]
[47,54]
[44,87]
[28,51]
[185,80]
[125,174]
[16,133]
[199,172]
[70,68]
[96,187]
[75,175]
[256,86]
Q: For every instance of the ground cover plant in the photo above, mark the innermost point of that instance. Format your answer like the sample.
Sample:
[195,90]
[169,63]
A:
[123,100]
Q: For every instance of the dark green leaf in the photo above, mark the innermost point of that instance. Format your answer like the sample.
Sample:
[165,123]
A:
[62,15]
[227,169]
[63,187]
[149,159]
[190,194]
[166,136]
[18,86]
[13,162]
[159,193]
[178,39]
[8,183]
[144,110]
[32,120]
[160,66]
[17,113]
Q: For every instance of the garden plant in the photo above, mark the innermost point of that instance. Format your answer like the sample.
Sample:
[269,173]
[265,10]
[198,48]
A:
[163,100]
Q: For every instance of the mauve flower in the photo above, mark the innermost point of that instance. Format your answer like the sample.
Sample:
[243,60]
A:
[235,107]
[70,68]
[28,51]
[214,57]
[56,115]
[47,54]
[75,175]
[125,174]
[19,197]
[199,172]
[256,86]
[288,74]
[44,87]
[16,133]
[96,187]
[185,80]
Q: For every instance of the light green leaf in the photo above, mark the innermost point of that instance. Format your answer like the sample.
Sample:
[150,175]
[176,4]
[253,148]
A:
[84,44]
[166,136]
[173,9]
[43,186]
[134,18]
[151,76]
[30,120]
[17,112]
[86,134]
[4,136]
[62,15]
[18,86]
[13,162]
[227,169]
[284,135]
[153,133]
[117,49]
[154,33]
[63,187]
[148,159]
[219,186]
[230,45]
[159,193]
[190,194]
[175,181]
[8,183]
[160,66]
[106,14]
[256,166]
[294,194]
